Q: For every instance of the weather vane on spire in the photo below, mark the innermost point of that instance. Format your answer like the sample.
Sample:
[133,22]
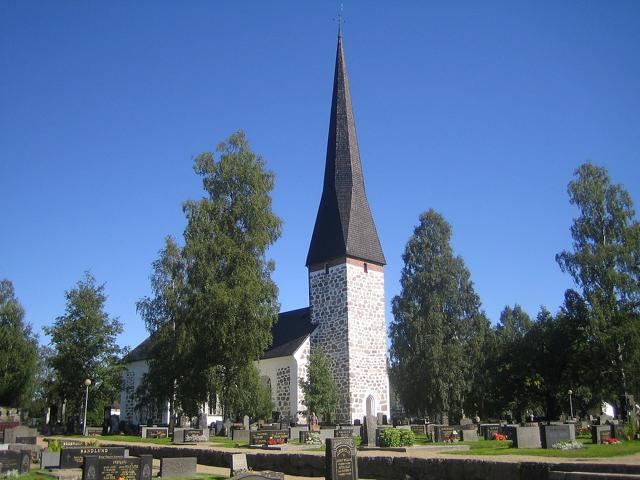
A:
[340,18]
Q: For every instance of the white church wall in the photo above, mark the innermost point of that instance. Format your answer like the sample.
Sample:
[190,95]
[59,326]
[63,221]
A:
[347,303]
[302,361]
[367,339]
[282,375]
[132,377]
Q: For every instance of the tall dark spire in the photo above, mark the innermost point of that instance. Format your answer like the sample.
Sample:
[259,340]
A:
[344,225]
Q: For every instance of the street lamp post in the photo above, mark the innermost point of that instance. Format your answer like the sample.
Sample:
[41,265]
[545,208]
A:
[87,382]
[570,392]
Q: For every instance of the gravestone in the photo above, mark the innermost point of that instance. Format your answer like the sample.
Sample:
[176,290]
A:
[21,435]
[469,435]
[419,429]
[445,433]
[465,421]
[370,425]
[50,459]
[385,420]
[73,457]
[94,431]
[380,418]
[227,428]
[525,437]
[114,424]
[4,425]
[241,435]
[245,422]
[11,461]
[190,435]
[238,464]
[117,468]
[64,442]
[340,459]
[552,434]
[343,433]
[203,421]
[219,428]
[600,433]
[154,432]
[261,437]
[489,430]
[617,430]
[178,467]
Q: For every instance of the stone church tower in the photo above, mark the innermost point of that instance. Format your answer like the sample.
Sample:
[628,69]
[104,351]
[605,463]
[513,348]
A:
[346,269]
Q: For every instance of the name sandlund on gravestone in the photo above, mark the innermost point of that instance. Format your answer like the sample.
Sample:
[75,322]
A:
[15,461]
[117,468]
[340,459]
[73,457]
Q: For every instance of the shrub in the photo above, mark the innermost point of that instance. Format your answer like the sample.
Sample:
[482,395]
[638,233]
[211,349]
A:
[313,439]
[54,446]
[393,437]
[407,438]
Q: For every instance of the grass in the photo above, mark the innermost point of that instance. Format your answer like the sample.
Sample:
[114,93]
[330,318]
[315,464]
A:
[497,447]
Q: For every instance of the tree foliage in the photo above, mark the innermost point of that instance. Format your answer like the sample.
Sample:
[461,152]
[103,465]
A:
[214,302]
[18,360]
[85,346]
[318,388]
[436,316]
[605,264]
[164,318]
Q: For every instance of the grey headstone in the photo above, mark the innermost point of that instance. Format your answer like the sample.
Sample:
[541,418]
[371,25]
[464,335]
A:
[418,429]
[241,436]
[469,435]
[112,468]
[245,422]
[525,437]
[219,427]
[20,435]
[238,464]
[443,433]
[50,460]
[340,459]
[227,427]
[488,430]
[552,434]
[370,425]
[178,467]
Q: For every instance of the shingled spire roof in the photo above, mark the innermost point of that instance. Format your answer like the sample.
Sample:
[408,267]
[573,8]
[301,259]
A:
[344,225]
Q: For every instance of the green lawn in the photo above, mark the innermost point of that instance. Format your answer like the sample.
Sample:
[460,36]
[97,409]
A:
[497,447]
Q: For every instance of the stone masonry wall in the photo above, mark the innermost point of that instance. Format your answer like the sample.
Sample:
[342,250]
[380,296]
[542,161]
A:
[302,362]
[328,302]
[367,340]
[283,389]
[347,303]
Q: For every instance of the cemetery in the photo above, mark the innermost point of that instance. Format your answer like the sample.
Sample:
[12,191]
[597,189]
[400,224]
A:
[223,384]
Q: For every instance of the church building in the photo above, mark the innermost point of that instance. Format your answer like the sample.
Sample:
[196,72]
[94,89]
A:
[346,313]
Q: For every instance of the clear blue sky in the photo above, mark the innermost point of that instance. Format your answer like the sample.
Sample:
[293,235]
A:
[480,110]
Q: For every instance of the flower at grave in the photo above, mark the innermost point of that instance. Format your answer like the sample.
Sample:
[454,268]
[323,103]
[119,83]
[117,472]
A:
[280,441]
[571,445]
[271,441]
[499,436]
[611,441]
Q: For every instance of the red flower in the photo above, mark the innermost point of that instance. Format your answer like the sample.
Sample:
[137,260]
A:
[499,436]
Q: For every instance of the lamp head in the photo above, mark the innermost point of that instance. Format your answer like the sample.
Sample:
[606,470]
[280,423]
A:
[87,382]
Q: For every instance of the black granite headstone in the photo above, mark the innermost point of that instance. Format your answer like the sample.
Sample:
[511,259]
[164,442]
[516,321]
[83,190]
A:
[73,457]
[340,459]
[117,468]
[11,460]
[261,437]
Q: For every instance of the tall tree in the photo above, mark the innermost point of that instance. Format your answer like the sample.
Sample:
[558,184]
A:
[434,316]
[319,389]
[605,264]
[164,318]
[231,300]
[18,361]
[85,346]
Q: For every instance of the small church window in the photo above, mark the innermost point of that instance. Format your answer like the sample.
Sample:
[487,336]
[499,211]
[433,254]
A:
[326,268]
[366,268]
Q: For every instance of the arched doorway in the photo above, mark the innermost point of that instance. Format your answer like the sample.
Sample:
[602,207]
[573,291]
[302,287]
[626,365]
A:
[371,405]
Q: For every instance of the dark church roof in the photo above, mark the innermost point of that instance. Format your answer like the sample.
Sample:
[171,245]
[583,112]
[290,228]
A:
[292,329]
[344,225]
[141,352]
